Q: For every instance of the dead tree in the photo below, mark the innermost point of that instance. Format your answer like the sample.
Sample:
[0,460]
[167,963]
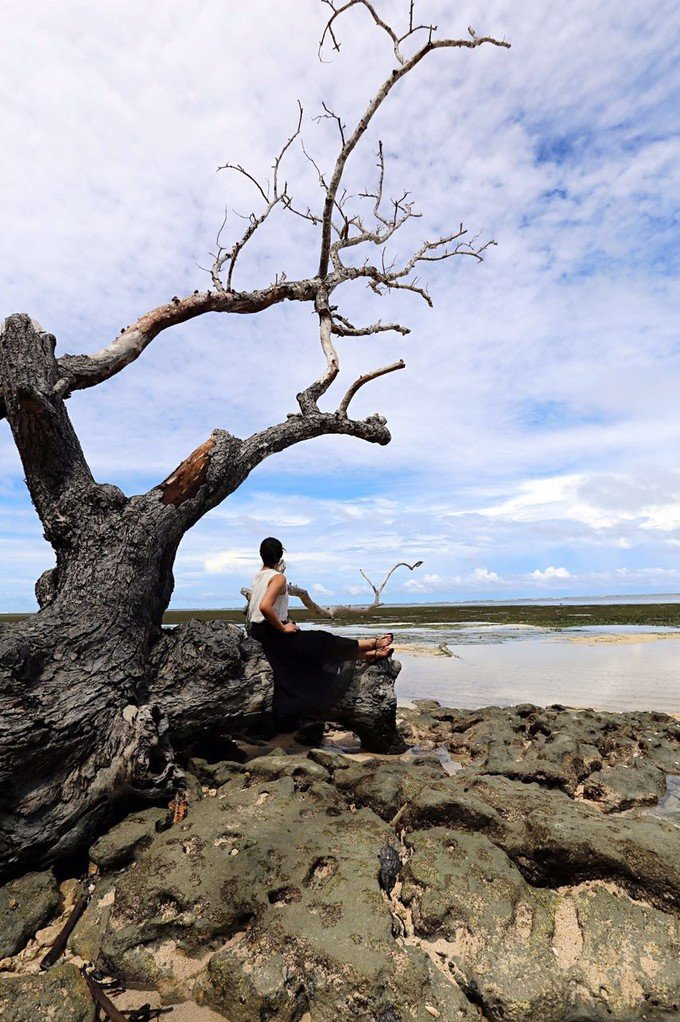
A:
[80,725]
[378,590]
[344,610]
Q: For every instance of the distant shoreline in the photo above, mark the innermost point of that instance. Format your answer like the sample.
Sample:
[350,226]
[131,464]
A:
[553,614]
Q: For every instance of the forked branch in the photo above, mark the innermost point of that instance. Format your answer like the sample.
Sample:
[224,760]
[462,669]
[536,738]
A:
[366,378]
[378,590]
[272,198]
[340,610]
[405,65]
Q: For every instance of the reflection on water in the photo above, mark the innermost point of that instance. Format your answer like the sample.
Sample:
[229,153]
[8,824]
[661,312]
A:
[669,804]
[504,665]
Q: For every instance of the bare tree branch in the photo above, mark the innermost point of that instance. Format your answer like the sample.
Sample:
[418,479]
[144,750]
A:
[396,40]
[307,399]
[219,465]
[382,93]
[344,328]
[272,200]
[330,115]
[348,229]
[344,404]
[77,372]
[340,609]
[379,589]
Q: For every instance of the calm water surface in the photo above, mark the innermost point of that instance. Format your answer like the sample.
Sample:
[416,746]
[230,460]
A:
[615,668]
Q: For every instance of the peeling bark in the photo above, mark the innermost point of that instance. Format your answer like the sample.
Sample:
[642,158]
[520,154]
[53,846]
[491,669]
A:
[187,479]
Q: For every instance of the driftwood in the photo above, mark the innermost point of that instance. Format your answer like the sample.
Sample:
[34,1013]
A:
[92,693]
[100,998]
[59,946]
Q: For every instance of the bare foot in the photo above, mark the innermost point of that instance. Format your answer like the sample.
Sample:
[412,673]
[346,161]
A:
[378,653]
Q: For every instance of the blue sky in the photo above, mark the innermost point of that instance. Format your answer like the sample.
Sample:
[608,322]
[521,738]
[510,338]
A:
[535,428]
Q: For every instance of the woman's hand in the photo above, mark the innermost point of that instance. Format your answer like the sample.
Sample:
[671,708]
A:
[290,626]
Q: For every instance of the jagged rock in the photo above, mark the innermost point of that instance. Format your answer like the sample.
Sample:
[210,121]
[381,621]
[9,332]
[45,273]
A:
[267,899]
[214,774]
[385,786]
[555,840]
[493,930]
[272,766]
[119,845]
[86,939]
[331,760]
[449,803]
[25,905]
[60,995]
[519,900]
[528,954]
[254,988]
[625,785]
[629,958]
[559,747]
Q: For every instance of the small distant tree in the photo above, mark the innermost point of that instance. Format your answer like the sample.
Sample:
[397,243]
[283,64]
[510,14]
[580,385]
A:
[75,722]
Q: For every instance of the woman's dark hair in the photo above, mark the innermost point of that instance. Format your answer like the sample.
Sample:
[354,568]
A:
[271,551]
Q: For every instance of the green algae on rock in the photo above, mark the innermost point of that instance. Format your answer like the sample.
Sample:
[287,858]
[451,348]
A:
[25,905]
[61,995]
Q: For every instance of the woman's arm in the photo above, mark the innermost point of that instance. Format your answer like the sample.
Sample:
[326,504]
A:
[276,588]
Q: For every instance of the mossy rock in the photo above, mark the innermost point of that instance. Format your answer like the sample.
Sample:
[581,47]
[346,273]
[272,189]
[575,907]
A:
[60,995]
[26,904]
[122,843]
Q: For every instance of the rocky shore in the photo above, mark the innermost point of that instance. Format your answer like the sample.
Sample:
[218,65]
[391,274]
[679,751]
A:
[533,876]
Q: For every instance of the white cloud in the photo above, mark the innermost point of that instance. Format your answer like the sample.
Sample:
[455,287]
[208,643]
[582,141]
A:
[548,573]
[483,575]
[231,562]
[427,584]
[321,590]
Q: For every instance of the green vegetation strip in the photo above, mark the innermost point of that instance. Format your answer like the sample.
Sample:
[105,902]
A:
[553,616]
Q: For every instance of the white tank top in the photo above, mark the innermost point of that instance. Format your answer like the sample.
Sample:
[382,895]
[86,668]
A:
[259,588]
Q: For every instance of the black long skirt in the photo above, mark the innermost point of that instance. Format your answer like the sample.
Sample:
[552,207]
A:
[312,669]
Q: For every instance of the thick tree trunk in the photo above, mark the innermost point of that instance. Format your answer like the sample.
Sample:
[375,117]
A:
[77,733]
[93,711]
[91,716]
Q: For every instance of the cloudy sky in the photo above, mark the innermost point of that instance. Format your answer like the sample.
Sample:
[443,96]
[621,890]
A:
[535,428]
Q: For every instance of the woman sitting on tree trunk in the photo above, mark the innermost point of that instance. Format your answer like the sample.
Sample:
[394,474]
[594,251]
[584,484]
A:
[311,669]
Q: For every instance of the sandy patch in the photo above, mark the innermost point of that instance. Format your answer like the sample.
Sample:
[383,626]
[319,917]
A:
[421,649]
[567,942]
[188,1011]
[620,638]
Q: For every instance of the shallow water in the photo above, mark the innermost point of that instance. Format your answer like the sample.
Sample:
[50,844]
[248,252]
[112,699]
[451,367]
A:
[635,676]
[621,668]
